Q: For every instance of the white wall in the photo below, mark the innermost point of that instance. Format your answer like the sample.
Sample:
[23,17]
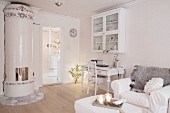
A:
[69,46]
[147,32]
[37,64]
[147,36]
[37,50]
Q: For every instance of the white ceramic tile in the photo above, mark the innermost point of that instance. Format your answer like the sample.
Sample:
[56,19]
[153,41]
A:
[36,96]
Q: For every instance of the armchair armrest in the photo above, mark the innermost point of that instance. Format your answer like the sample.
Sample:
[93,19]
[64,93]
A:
[120,86]
[159,98]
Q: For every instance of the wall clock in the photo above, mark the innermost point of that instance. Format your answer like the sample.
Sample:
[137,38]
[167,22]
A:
[73,32]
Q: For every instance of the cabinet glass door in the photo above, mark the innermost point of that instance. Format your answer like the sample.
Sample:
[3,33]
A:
[97,42]
[98,25]
[112,22]
[112,42]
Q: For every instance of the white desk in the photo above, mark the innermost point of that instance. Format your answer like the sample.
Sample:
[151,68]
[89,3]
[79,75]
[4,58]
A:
[106,71]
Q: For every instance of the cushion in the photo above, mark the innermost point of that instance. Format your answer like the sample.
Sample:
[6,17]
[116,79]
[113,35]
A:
[153,84]
[139,99]
[142,74]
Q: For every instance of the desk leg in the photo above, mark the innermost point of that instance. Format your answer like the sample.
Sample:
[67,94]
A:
[82,76]
[124,74]
[108,84]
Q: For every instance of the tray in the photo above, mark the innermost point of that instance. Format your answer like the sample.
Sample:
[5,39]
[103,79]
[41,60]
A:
[110,104]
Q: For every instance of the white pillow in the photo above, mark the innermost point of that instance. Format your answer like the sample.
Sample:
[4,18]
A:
[153,84]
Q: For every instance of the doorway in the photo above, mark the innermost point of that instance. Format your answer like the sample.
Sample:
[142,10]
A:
[51,55]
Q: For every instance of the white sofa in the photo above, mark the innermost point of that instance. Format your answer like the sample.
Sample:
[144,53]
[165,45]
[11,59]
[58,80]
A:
[156,102]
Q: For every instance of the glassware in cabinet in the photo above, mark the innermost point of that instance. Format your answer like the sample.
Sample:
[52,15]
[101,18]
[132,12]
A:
[98,25]
[97,42]
[112,22]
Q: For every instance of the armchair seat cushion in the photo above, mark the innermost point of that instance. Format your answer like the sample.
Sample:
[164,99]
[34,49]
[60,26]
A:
[139,99]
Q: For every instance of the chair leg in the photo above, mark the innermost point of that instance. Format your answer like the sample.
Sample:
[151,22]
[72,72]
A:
[95,88]
[88,87]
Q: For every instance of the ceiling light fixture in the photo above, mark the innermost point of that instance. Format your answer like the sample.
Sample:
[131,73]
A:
[58,2]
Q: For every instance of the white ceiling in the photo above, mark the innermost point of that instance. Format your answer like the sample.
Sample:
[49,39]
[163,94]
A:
[75,8]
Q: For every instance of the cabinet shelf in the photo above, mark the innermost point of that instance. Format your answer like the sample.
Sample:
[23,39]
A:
[99,24]
[112,42]
[98,42]
[111,22]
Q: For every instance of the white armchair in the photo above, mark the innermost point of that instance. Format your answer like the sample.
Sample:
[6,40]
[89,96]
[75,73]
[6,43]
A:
[156,102]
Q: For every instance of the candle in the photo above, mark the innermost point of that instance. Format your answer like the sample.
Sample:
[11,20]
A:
[19,78]
[108,97]
[100,99]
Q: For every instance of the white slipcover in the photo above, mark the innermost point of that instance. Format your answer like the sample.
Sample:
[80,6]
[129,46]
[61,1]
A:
[139,99]
[157,99]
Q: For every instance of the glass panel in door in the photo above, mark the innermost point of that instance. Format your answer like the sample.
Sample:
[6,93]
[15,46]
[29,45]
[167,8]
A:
[112,42]
[98,25]
[112,22]
[97,42]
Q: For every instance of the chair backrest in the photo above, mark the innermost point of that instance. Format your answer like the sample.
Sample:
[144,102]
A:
[92,72]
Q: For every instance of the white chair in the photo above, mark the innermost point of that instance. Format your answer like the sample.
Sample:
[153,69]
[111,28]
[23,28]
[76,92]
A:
[93,77]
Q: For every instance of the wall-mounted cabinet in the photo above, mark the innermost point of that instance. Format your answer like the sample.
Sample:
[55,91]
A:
[108,31]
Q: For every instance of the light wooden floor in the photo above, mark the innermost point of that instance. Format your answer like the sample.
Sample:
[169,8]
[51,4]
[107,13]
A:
[58,99]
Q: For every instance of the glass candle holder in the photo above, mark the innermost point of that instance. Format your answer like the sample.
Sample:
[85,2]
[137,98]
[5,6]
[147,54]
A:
[100,99]
[108,97]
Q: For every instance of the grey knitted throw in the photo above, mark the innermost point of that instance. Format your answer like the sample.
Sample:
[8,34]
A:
[142,74]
